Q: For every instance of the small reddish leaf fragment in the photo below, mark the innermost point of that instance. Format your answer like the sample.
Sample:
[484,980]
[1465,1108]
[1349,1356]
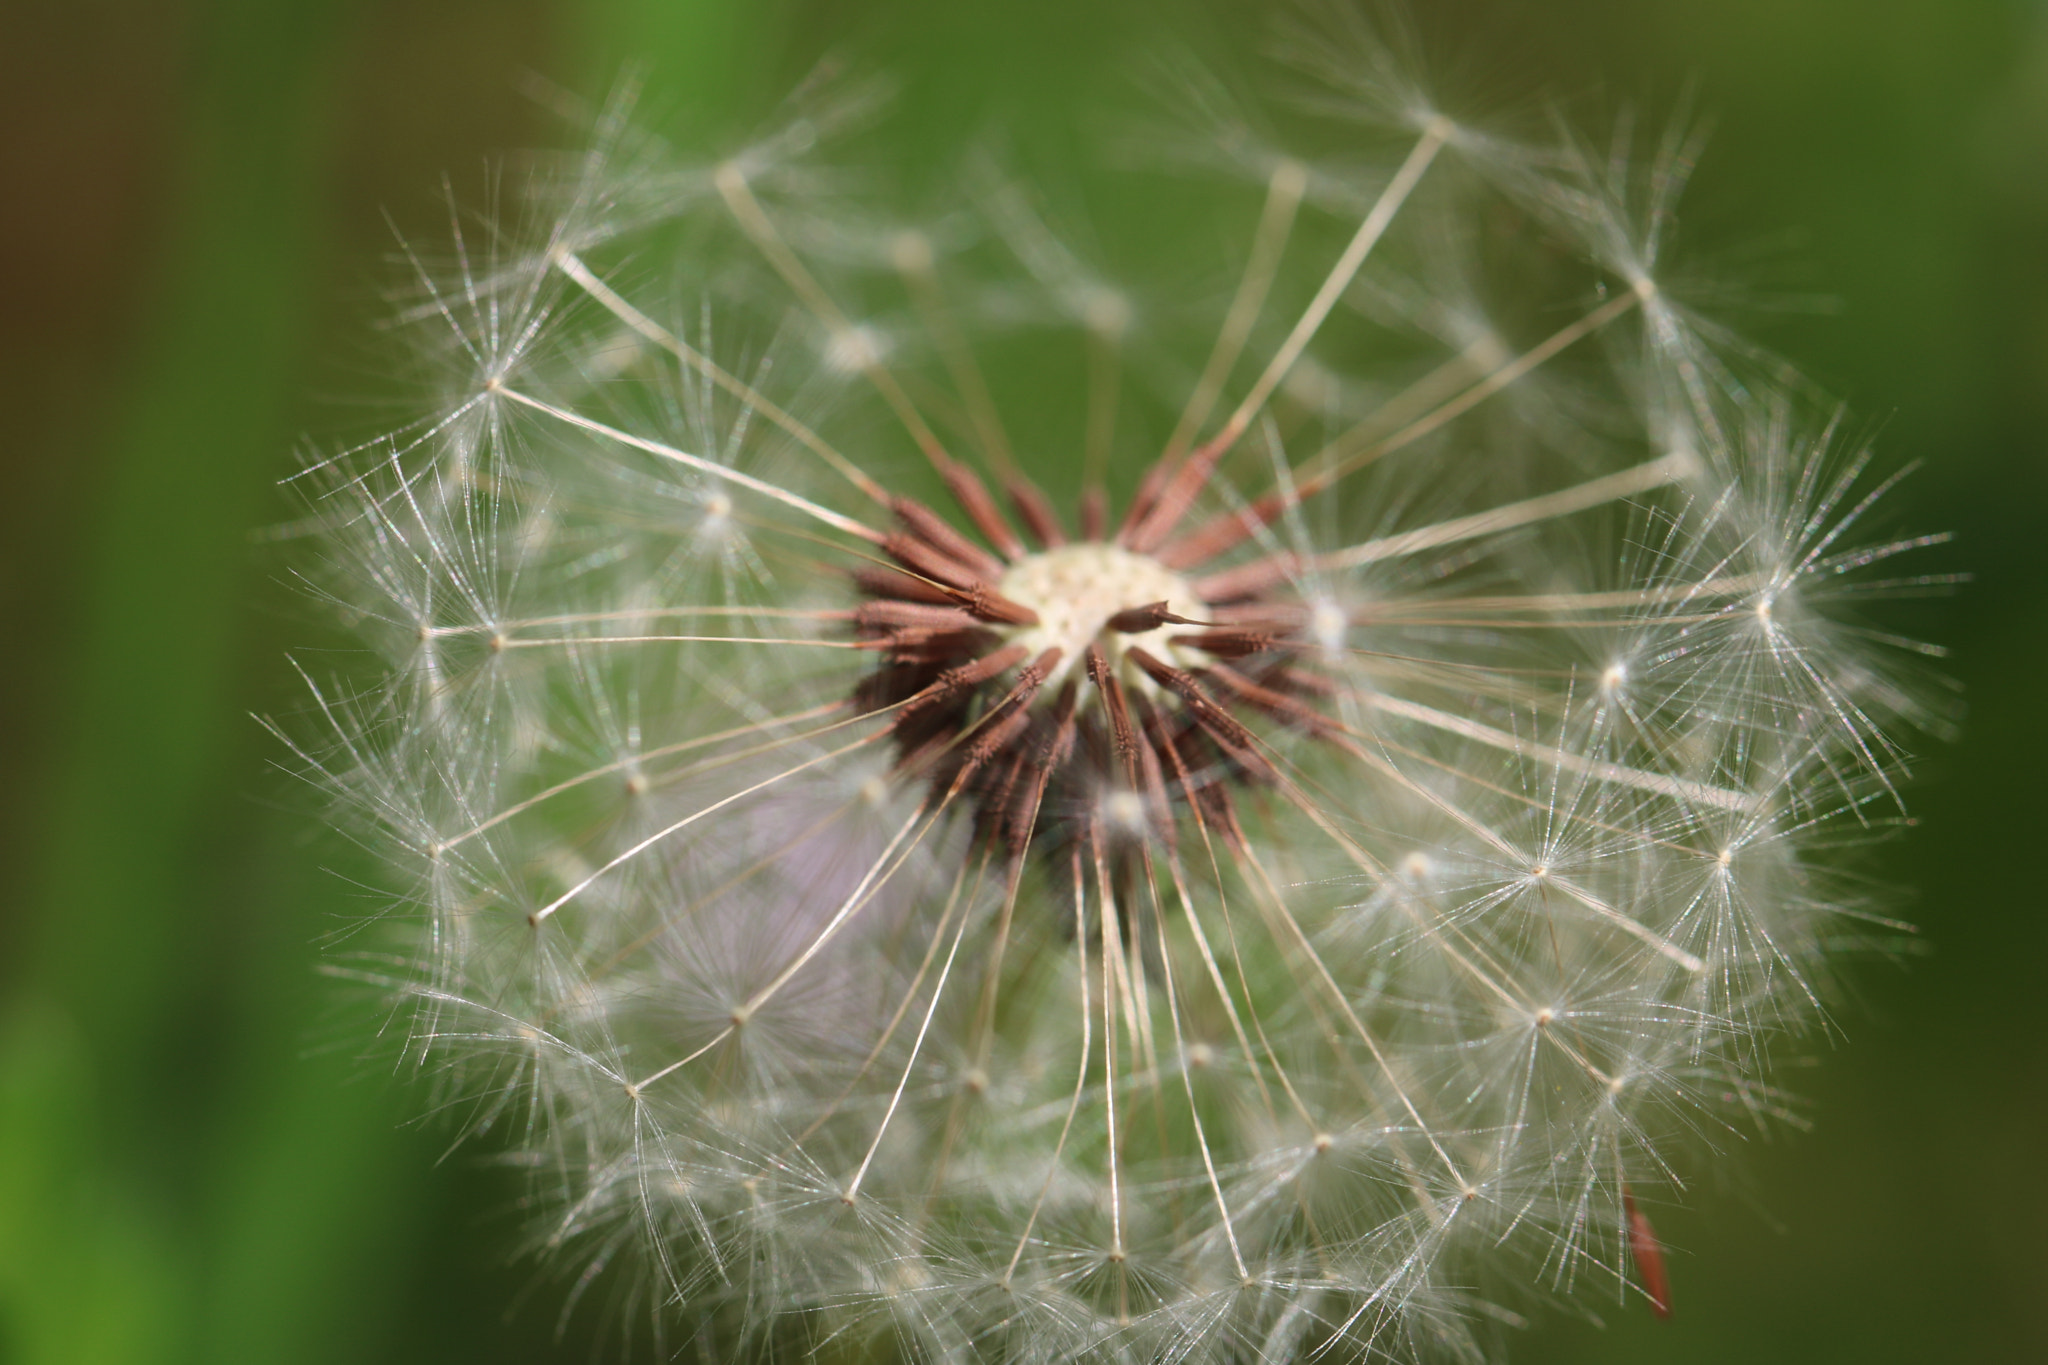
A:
[1648,1254]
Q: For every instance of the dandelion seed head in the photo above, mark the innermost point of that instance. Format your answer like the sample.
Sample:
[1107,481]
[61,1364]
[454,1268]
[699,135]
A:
[899,890]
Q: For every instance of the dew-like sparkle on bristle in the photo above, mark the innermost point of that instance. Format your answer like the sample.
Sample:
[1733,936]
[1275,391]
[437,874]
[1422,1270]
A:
[1075,589]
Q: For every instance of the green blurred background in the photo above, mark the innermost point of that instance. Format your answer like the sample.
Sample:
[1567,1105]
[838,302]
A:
[195,1163]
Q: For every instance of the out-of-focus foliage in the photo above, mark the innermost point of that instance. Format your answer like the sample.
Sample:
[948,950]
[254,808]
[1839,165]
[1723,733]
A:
[194,1166]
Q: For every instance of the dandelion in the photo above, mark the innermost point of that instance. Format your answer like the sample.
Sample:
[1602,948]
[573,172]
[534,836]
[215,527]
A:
[1307,886]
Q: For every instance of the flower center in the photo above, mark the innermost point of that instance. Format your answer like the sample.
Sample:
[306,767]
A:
[1076,589]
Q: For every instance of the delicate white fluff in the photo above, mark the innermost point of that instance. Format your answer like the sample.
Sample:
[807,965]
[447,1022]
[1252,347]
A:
[1348,1039]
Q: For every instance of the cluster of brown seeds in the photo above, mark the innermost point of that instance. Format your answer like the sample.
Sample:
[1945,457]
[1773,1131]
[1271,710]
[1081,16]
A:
[1088,689]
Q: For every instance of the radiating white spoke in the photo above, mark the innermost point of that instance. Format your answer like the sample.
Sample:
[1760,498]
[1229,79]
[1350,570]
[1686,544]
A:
[1661,784]
[580,641]
[1110,925]
[716,470]
[1667,469]
[1341,274]
[1187,1080]
[585,618]
[913,258]
[572,266]
[954,903]
[861,894]
[1284,188]
[760,229]
[1087,1016]
[692,818]
[1274,902]
[878,874]
[1564,603]
[916,1047]
[666,751]
[1346,453]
